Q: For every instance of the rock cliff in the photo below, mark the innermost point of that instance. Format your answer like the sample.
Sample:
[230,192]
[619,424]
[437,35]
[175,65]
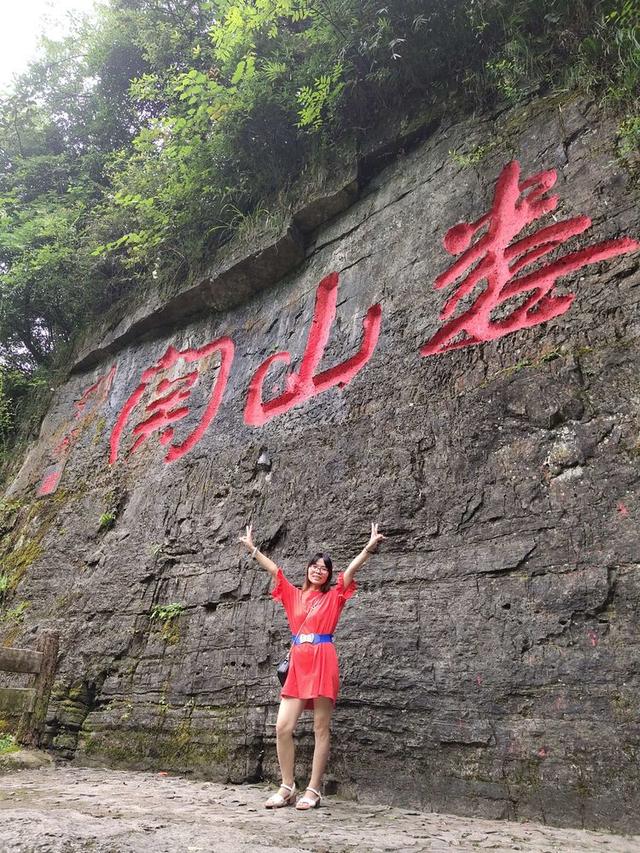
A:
[490,658]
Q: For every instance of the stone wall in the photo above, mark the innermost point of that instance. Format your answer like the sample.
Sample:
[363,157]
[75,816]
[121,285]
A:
[490,659]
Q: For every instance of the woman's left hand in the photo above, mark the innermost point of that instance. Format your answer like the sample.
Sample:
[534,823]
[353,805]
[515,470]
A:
[375,540]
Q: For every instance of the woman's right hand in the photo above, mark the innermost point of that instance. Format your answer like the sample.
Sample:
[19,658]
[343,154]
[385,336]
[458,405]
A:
[247,539]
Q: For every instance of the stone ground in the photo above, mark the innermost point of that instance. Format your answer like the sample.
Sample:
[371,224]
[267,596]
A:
[68,810]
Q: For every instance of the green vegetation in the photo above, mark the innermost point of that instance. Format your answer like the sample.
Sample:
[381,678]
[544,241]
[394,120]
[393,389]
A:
[167,615]
[106,521]
[630,135]
[23,528]
[136,147]
[8,744]
[8,508]
[165,612]
[15,563]
[24,392]
[169,750]
[473,157]
[16,614]
[629,144]
[164,737]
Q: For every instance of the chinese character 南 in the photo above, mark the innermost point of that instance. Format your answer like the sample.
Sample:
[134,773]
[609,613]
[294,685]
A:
[169,396]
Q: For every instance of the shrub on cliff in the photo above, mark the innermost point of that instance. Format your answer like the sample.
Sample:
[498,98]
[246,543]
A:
[132,149]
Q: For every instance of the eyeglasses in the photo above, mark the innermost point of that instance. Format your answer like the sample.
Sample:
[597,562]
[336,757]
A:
[319,567]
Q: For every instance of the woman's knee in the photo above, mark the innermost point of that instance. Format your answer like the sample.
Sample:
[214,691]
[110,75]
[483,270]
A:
[322,729]
[285,727]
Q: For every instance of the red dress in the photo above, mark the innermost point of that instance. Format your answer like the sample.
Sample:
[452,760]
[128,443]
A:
[313,669]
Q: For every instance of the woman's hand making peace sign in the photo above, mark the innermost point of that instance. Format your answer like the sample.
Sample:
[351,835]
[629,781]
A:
[375,540]
[247,539]
[261,559]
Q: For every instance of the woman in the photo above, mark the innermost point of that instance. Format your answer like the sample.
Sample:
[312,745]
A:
[312,680]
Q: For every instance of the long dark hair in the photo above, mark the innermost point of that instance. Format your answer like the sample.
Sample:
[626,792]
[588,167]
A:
[327,561]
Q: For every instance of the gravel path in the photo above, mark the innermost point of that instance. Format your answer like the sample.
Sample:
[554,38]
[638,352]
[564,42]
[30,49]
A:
[72,810]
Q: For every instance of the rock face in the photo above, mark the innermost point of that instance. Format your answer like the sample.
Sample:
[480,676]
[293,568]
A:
[490,658]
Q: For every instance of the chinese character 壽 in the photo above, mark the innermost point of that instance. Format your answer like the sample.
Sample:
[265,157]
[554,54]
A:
[502,264]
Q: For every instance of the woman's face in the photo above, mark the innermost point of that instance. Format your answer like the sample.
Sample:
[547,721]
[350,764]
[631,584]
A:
[317,573]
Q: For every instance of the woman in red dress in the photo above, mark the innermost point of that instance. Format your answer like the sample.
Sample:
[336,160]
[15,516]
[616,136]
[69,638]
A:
[312,681]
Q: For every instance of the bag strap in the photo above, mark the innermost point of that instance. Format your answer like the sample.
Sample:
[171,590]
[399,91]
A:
[315,604]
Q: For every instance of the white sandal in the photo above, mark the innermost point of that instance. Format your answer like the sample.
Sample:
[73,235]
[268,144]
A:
[305,803]
[277,801]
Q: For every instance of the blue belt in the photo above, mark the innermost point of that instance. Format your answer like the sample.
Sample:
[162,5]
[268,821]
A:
[312,638]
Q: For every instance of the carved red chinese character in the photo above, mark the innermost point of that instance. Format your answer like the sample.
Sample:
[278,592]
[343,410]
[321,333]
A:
[95,394]
[306,383]
[169,396]
[494,258]
[85,408]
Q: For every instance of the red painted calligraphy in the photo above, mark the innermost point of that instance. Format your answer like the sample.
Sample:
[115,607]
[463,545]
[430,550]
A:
[493,258]
[306,383]
[169,396]
[96,393]
[623,509]
[51,480]
[85,408]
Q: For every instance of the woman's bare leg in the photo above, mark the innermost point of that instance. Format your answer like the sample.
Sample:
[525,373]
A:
[322,713]
[288,713]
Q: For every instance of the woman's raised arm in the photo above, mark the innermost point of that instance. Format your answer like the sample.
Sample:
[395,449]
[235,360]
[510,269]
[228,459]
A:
[374,540]
[265,562]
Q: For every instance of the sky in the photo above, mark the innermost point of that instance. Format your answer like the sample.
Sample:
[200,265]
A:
[21,24]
